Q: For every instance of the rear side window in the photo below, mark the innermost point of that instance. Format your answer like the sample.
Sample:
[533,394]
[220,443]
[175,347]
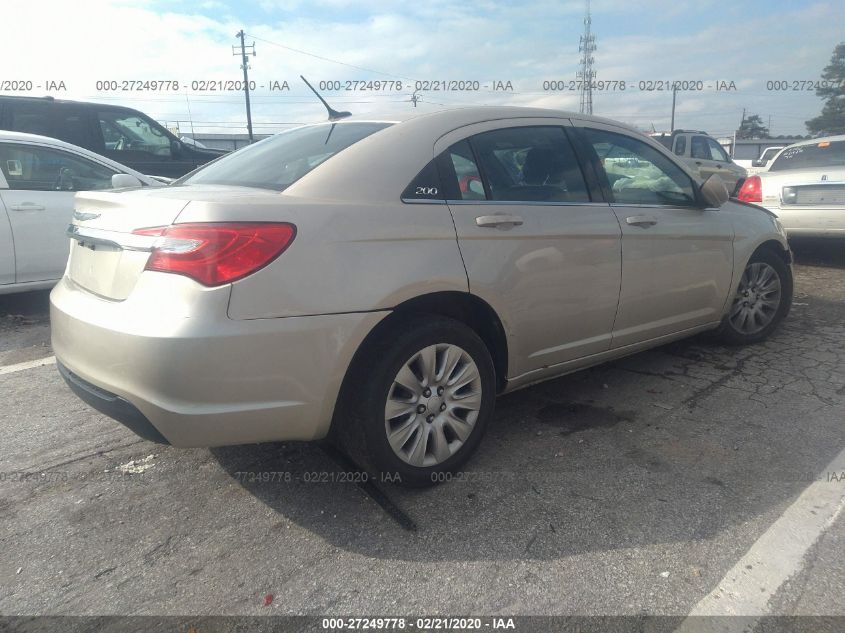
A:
[460,160]
[71,125]
[699,148]
[530,164]
[680,145]
[815,155]
[30,117]
[279,161]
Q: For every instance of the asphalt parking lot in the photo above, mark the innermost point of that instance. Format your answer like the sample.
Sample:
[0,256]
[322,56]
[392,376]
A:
[645,486]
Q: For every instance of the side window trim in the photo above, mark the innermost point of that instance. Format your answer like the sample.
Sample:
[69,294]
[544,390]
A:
[587,161]
[595,165]
[482,171]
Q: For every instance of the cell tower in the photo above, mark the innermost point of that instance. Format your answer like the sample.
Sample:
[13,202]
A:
[587,47]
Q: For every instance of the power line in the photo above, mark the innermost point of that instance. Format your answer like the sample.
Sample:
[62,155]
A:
[329,59]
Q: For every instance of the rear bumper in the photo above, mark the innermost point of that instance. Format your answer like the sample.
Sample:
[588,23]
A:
[810,222]
[170,365]
[111,405]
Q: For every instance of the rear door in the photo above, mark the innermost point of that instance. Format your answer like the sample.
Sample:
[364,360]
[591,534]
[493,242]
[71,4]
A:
[39,202]
[677,256]
[537,246]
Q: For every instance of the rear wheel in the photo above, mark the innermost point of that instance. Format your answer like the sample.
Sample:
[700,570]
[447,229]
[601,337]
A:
[418,401]
[763,299]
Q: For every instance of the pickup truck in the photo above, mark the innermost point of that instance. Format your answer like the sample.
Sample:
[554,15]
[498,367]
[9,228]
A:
[704,155]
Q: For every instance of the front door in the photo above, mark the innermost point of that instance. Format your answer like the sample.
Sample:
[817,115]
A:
[39,203]
[677,256]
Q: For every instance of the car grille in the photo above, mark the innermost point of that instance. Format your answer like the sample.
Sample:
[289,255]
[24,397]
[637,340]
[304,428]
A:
[815,195]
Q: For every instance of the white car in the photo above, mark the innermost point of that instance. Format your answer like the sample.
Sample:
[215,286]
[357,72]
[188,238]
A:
[804,187]
[39,177]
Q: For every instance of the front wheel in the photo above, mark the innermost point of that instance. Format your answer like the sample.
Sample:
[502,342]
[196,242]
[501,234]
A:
[762,300]
[419,400]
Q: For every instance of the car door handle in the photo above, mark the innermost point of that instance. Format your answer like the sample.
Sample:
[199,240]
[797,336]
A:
[498,220]
[698,162]
[644,221]
[27,206]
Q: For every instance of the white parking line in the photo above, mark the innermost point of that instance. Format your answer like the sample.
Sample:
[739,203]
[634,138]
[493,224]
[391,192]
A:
[776,556]
[40,362]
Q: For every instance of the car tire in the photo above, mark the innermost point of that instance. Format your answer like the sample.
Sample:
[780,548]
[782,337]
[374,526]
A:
[417,401]
[762,300]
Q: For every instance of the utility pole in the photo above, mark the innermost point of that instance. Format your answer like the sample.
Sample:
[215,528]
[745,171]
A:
[415,99]
[674,93]
[587,47]
[245,65]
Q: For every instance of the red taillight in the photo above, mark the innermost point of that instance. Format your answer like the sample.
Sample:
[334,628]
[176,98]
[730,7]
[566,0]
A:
[217,253]
[751,190]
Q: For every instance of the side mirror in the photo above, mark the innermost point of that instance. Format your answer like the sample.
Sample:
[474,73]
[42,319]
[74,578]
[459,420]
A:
[122,181]
[758,163]
[714,192]
[175,149]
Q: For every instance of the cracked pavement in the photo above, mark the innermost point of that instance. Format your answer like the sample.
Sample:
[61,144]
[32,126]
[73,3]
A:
[629,488]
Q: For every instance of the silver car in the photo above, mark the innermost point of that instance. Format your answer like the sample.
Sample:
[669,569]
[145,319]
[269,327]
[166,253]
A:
[379,282]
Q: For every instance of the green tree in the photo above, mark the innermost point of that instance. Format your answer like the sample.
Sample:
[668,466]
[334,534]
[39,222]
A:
[832,89]
[752,127]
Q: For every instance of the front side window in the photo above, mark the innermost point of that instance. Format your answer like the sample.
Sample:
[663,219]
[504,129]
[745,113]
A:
[279,161]
[530,164]
[814,156]
[639,174]
[127,132]
[717,152]
[33,168]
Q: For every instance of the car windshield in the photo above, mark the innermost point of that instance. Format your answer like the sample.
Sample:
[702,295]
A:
[279,161]
[821,154]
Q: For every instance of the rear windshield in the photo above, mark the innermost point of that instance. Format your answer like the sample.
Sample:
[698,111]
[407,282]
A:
[822,154]
[279,161]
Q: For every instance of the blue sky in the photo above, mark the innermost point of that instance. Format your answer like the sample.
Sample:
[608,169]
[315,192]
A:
[525,43]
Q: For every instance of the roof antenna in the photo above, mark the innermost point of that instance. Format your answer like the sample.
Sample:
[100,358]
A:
[334,115]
